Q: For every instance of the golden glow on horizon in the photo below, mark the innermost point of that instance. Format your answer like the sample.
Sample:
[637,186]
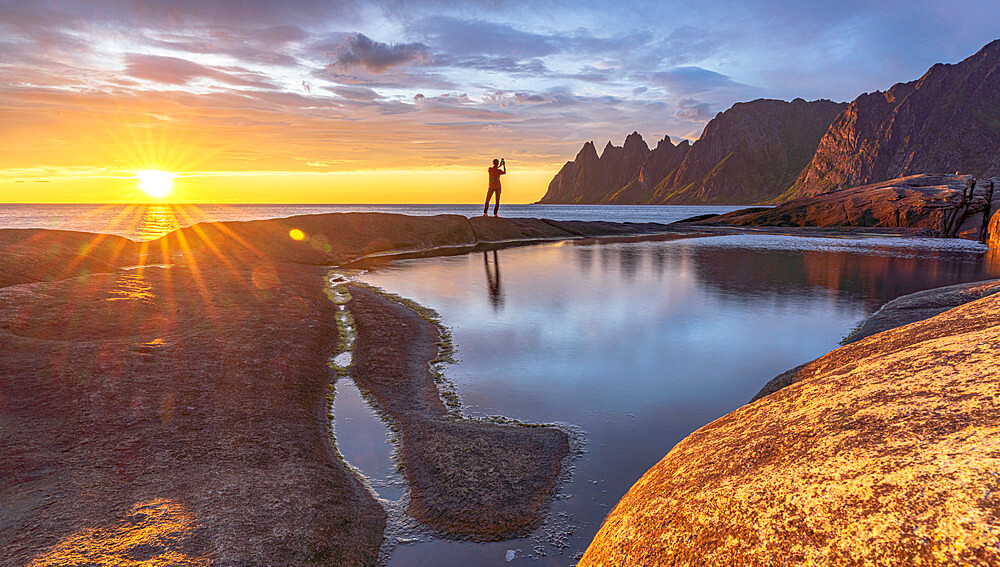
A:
[155,183]
[377,186]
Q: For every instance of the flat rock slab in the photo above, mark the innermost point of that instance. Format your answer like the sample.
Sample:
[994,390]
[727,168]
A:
[490,230]
[884,453]
[322,239]
[177,415]
[32,255]
[468,478]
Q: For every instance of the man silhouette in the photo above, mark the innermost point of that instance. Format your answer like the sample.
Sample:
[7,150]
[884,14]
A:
[495,172]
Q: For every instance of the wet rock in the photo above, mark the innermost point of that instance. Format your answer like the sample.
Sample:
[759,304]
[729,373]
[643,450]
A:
[490,230]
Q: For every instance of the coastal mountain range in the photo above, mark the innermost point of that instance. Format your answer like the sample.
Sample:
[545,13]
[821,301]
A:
[766,151]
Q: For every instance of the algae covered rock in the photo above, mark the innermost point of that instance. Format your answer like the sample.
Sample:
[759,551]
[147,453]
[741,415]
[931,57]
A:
[885,453]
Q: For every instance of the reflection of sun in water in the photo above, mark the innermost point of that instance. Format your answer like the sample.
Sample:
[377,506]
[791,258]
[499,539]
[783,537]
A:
[155,183]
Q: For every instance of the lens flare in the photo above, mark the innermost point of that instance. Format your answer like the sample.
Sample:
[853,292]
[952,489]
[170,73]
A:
[155,183]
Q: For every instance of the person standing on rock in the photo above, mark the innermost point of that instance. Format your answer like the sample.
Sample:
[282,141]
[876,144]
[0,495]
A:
[495,172]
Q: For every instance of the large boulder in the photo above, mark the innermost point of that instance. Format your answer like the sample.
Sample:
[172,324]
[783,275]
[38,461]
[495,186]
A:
[885,454]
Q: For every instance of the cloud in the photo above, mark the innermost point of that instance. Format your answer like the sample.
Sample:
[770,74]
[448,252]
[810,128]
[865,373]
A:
[495,129]
[270,45]
[177,14]
[694,110]
[176,71]
[691,80]
[355,93]
[356,50]
[686,44]
[506,65]
[506,99]
[457,36]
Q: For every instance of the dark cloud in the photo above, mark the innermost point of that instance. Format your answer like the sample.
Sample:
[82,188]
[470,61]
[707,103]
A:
[356,50]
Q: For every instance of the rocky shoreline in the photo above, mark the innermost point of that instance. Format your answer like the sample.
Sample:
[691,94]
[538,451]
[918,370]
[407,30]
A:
[177,410]
[167,400]
[934,204]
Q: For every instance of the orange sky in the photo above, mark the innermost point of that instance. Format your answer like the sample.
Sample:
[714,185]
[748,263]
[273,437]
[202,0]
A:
[87,148]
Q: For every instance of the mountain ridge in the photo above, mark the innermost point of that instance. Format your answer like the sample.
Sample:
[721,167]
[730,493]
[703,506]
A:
[766,150]
[724,163]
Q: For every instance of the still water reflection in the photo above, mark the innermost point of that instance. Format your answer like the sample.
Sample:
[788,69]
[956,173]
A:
[639,344]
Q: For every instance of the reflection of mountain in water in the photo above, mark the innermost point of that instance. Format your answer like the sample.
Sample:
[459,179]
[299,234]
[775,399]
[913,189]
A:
[876,273]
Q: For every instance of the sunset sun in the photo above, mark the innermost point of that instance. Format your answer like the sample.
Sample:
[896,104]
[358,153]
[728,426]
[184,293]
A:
[155,183]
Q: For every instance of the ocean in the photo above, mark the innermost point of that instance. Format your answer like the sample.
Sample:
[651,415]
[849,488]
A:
[147,222]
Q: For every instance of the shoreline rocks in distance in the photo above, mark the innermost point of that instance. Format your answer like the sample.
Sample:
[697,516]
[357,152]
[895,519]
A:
[926,201]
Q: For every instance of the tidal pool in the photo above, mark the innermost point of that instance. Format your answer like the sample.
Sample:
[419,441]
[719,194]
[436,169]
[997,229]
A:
[637,345]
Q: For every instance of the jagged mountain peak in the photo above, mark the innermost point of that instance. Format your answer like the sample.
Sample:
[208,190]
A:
[764,145]
[586,152]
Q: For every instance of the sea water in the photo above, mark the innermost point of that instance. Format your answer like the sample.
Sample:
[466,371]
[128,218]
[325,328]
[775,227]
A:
[146,222]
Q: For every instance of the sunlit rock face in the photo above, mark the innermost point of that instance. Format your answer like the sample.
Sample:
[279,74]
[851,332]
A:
[930,201]
[948,120]
[886,454]
[994,230]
